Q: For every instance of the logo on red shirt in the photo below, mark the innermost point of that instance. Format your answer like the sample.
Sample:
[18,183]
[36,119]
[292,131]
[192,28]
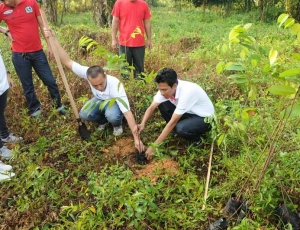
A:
[8,12]
[28,9]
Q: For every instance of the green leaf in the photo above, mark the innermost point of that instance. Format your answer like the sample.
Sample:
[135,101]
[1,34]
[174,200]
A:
[236,67]
[220,139]
[282,18]
[248,46]
[289,22]
[238,78]
[103,104]
[220,67]
[262,51]
[295,112]
[267,68]
[273,56]
[238,75]
[111,103]
[290,72]
[93,43]
[119,84]
[282,90]
[247,26]
[296,56]
[234,33]
[123,102]
[295,28]
[224,48]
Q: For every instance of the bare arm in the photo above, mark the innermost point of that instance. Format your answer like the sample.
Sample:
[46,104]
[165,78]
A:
[6,31]
[168,128]
[132,125]
[63,55]
[148,115]
[42,26]
[3,29]
[148,33]
[115,27]
[166,131]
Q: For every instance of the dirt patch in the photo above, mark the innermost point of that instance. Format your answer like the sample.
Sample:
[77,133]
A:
[156,169]
[122,147]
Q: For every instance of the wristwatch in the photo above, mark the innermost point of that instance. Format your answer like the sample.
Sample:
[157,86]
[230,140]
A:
[6,32]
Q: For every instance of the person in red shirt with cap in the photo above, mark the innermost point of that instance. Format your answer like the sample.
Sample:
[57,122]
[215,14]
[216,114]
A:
[132,19]
[23,20]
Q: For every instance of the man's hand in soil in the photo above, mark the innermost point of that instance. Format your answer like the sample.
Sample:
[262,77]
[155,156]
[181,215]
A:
[139,145]
[149,153]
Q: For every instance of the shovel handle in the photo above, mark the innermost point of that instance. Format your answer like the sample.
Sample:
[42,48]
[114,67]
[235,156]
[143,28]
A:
[60,67]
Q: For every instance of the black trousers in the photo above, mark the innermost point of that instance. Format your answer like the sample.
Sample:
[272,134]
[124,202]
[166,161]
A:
[190,126]
[3,127]
[135,57]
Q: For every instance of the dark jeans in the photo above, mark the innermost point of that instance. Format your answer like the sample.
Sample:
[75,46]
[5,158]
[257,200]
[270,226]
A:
[190,126]
[23,63]
[3,127]
[135,57]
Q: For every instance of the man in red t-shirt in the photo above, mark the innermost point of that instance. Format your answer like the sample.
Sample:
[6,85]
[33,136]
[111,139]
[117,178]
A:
[132,19]
[23,20]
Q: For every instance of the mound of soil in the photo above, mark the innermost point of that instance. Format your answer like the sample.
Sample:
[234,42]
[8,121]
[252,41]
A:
[122,147]
[156,169]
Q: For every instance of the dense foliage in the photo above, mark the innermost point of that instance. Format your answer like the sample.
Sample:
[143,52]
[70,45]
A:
[64,183]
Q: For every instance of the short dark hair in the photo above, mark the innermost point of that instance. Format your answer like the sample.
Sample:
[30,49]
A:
[94,71]
[166,75]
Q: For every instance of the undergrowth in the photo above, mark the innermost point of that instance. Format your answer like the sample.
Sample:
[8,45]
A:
[64,183]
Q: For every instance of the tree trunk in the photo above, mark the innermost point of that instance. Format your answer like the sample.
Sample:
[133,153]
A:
[102,12]
[51,10]
[262,10]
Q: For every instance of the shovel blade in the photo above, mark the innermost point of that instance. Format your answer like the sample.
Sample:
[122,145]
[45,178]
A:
[83,131]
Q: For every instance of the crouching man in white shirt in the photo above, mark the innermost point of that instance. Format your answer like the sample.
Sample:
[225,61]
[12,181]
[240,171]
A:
[184,106]
[103,87]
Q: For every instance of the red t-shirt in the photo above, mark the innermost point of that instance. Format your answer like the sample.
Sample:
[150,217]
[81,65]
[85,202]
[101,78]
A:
[23,25]
[131,16]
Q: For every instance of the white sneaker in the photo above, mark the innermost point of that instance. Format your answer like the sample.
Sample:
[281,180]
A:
[5,153]
[102,127]
[11,139]
[118,130]
[4,167]
[37,113]
[6,176]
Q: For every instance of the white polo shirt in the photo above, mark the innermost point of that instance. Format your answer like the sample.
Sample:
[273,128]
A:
[114,89]
[189,98]
[3,77]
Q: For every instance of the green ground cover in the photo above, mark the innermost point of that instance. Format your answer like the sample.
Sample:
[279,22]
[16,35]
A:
[64,183]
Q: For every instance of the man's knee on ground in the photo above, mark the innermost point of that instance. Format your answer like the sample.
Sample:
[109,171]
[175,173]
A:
[112,116]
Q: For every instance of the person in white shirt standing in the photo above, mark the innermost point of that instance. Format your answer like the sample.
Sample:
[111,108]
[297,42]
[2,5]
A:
[6,136]
[184,106]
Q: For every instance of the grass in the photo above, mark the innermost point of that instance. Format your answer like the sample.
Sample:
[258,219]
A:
[64,183]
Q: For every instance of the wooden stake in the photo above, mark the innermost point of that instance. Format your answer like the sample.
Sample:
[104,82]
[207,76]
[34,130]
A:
[208,175]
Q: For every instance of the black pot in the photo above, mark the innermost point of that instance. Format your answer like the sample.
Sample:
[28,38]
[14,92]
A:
[141,158]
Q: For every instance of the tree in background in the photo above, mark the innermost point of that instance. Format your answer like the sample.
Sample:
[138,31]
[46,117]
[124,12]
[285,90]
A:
[269,10]
[102,12]
[51,10]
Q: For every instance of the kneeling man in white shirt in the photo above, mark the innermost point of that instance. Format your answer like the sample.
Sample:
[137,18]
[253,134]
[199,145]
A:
[184,106]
